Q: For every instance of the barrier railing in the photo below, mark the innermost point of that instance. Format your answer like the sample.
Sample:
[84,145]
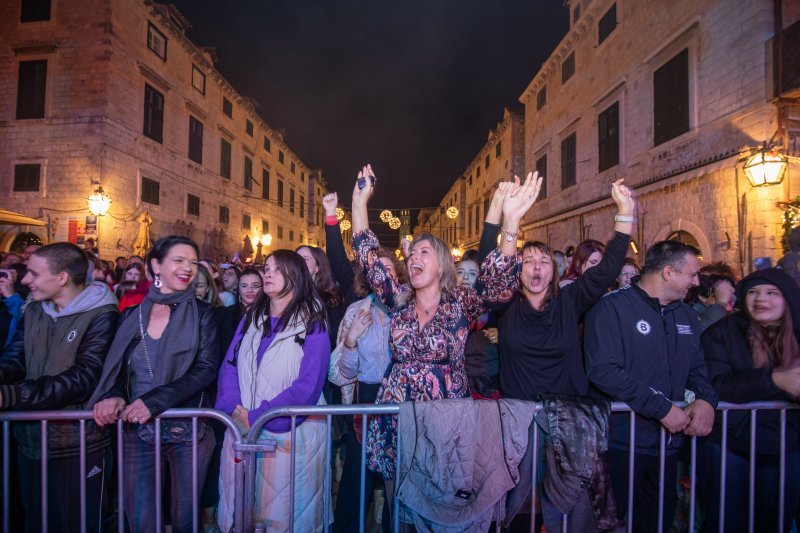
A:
[368,410]
[246,450]
[45,417]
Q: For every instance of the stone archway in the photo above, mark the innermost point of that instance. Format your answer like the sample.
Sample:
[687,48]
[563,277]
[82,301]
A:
[688,232]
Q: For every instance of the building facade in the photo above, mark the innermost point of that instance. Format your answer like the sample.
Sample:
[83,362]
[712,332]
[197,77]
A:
[114,95]
[500,159]
[673,97]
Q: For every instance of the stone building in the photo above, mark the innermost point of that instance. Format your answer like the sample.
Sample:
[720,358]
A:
[672,97]
[114,95]
[500,159]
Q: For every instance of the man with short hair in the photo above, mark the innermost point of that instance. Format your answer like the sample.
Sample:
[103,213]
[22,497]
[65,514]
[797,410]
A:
[642,347]
[54,362]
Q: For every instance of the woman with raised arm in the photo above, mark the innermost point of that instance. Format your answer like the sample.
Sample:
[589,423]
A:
[430,316]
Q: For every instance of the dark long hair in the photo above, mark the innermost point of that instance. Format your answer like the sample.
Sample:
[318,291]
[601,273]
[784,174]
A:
[582,253]
[773,347]
[323,279]
[305,305]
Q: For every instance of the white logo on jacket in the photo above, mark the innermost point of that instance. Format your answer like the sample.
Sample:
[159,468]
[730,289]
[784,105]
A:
[71,335]
[684,329]
[643,327]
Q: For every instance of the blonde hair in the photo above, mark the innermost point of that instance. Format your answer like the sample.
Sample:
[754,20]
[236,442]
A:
[447,269]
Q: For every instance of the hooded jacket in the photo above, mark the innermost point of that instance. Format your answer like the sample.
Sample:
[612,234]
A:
[732,373]
[647,355]
[58,363]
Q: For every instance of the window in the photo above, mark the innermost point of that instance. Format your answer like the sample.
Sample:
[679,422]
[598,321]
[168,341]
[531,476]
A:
[469,220]
[224,159]
[151,191]
[302,206]
[193,205]
[227,107]
[195,140]
[671,98]
[486,161]
[281,158]
[541,168]
[302,177]
[224,214]
[27,177]
[478,172]
[469,181]
[291,200]
[607,24]
[568,68]
[576,13]
[265,184]
[31,89]
[246,222]
[291,235]
[153,114]
[198,79]
[248,173]
[264,226]
[280,193]
[477,217]
[248,128]
[280,232]
[156,41]
[35,10]
[541,98]
[608,138]
[292,167]
[568,162]
[300,238]
[267,144]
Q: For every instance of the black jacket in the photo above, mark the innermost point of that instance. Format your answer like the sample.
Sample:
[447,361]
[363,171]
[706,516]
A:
[73,386]
[343,274]
[731,371]
[187,390]
[646,355]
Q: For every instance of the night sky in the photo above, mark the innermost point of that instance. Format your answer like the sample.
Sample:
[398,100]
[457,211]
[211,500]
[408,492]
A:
[412,87]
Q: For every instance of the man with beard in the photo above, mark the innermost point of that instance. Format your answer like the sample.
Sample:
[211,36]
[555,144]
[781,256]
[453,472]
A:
[643,348]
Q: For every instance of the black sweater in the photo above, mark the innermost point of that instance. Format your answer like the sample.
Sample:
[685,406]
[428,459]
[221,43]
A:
[540,351]
[731,371]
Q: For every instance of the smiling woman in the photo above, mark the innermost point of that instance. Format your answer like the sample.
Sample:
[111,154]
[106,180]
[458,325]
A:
[430,316]
[164,355]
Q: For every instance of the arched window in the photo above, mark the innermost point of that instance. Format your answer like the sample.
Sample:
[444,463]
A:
[23,240]
[686,238]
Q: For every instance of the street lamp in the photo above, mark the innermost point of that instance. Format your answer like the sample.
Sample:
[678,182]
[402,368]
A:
[266,239]
[765,167]
[99,202]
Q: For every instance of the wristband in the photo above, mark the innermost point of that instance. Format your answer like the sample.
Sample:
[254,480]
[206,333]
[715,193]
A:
[331,220]
[509,236]
[624,218]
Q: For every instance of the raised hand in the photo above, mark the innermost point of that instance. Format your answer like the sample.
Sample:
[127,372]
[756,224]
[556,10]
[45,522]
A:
[623,197]
[519,198]
[330,202]
[361,195]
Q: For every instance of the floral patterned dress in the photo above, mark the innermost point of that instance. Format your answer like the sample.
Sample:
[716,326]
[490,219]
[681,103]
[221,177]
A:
[427,363]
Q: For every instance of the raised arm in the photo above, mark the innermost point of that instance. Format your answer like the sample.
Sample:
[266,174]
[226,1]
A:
[365,243]
[337,256]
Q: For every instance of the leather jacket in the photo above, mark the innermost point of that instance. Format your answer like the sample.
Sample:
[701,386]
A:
[71,387]
[192,387]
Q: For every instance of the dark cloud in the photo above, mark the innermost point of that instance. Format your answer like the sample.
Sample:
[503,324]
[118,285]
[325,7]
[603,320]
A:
[412,87]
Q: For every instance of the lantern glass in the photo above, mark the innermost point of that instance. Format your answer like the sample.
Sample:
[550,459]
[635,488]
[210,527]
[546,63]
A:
[99,202]
[765,167]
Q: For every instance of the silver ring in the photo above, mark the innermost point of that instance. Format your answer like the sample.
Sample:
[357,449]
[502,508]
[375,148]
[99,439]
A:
[136,419]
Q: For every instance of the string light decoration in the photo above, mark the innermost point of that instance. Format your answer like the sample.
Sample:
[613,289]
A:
[339,213]
[409,238]
[345,225]
[791,220]
[386,216]
[452,212]
[394,223]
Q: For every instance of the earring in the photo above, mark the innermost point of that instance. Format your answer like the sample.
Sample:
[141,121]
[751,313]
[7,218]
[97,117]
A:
[157,281]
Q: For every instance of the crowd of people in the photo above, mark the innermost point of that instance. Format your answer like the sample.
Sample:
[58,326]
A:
[574,329]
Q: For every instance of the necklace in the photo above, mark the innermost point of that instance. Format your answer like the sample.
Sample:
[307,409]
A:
[427,312]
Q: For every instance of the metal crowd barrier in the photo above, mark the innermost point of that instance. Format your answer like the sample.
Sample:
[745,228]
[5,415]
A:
[44,417]
[246,448]
[252,446]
